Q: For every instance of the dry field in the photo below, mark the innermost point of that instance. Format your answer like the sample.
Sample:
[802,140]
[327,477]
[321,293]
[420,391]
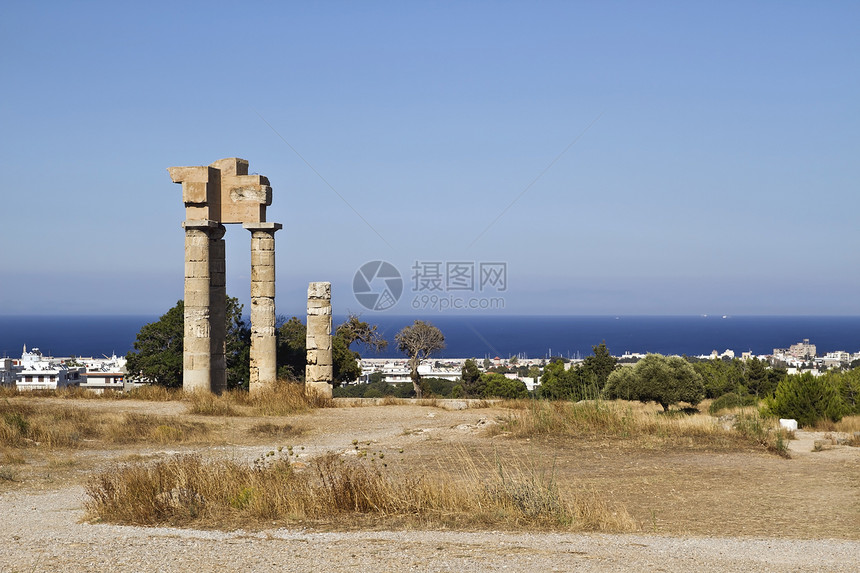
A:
[619,486]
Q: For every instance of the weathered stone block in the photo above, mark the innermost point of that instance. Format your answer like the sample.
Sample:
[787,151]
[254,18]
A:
[262,273]
[319,290]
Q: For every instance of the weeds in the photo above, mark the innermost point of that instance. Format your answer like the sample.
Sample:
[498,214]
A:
[185,490]
[50,426]
[275,430]
[764,432]
[208,404]
[618,420]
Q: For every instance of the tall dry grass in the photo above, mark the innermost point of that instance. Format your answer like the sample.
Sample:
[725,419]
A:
[60,426]
[281,399]
[334,491]
[640,425]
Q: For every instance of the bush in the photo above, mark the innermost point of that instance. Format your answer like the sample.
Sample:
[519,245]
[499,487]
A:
[657,378]
[731,400]
[806,399]
[497,385]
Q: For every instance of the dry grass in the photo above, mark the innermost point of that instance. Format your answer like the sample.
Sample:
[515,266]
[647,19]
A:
[639,425]
[280,399]
[848,424]
[208,404]
[49,426]
[268,429]
[149,393]
[336,492]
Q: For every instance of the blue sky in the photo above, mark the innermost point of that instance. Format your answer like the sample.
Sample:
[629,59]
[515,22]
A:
[713,167]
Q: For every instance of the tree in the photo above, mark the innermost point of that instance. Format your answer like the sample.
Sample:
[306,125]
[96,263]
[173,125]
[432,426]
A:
[346,360]
[500,386]
[157,354]
[292,352]
[292,356]
[556,383]
[657,378]
[471,376]
[600,365]
[355,330]
[238,346]
[756,377]
[807,399]
[419,341]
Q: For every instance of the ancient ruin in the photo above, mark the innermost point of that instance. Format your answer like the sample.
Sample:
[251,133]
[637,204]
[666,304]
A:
[215,195]
[319,371]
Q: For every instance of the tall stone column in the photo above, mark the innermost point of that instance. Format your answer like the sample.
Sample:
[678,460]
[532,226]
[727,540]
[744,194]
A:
[319,372]
[264,347]
[197,350]
[217,309]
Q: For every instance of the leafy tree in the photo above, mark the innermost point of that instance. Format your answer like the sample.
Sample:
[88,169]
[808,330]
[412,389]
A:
[292,352]
[292,356]
[657,378]
[600,365]
[419,341]
[157,354]
[355,330]
[500,386]
[346,360]
[238,346]
[807,399]
[556,382]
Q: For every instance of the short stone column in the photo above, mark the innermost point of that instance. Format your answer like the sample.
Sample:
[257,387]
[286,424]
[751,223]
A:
[197,350]
[319,372]
[264,345]
[218,310]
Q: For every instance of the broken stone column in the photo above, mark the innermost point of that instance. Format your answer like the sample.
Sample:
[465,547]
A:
[217,310]
[197,349]
[264,347]
[319,372]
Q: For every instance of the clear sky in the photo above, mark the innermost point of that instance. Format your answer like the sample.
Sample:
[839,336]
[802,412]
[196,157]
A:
[619,157]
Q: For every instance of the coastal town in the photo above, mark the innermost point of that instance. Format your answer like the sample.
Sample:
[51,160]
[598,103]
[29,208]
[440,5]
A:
[35,371]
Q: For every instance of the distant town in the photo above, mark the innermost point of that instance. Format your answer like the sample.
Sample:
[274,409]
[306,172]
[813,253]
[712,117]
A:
[35,371]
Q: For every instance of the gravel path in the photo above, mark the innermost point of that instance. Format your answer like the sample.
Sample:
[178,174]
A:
[41,532]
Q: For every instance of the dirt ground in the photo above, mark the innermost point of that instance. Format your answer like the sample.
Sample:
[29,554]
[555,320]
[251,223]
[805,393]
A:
[679,490]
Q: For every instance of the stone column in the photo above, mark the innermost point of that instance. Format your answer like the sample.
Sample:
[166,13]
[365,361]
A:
[319,372]
[197,349]
[217,309]
[264,346]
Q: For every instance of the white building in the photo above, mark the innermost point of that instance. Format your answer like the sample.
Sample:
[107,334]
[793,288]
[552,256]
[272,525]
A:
[104,374]
[38,372]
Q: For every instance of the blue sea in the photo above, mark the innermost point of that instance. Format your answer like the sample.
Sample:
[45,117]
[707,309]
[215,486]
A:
[489,336]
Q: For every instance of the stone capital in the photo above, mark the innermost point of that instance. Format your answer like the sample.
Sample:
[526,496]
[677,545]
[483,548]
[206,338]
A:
[204,224]
[270,227]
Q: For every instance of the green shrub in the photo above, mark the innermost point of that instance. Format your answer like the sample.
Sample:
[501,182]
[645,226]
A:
[497,385]
[731,400]
[807,399]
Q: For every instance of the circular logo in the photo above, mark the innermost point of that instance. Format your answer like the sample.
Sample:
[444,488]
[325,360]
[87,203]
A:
[377,285]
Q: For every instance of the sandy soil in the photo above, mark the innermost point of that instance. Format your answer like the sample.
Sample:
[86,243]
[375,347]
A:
[697,509]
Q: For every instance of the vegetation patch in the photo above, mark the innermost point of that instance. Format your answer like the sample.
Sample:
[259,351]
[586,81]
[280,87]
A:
[638,426]
[52,426]
[269,429]
[333,491]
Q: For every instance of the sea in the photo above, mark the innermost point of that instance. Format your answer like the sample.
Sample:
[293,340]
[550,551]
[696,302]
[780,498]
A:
[482,336]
